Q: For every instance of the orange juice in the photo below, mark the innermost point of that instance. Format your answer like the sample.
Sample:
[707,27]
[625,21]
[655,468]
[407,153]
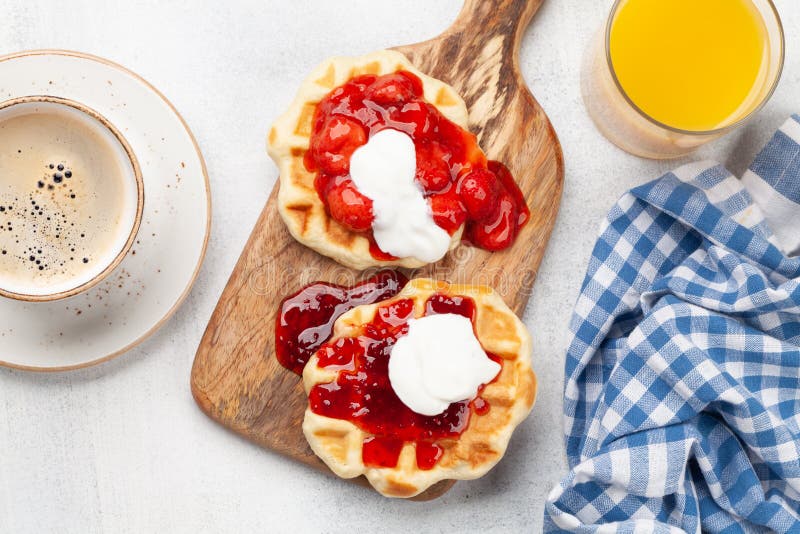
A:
[694,65]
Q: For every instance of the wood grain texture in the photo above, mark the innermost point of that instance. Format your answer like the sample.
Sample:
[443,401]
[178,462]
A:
[236,379]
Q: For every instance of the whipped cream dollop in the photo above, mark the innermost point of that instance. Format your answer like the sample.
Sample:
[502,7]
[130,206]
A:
[383,170]
[438,362]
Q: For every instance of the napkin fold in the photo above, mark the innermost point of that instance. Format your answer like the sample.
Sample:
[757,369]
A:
[682,394]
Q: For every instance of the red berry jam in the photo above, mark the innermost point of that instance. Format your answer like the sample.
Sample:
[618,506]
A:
[459,183]
[306,318]
[363,394]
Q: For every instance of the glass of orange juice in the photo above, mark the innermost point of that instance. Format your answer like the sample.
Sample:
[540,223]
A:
[662,77]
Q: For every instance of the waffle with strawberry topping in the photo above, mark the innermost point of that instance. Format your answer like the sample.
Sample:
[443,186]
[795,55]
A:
[339,107]
[356,423]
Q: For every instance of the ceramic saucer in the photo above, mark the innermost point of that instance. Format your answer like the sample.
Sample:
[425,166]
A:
[156,275]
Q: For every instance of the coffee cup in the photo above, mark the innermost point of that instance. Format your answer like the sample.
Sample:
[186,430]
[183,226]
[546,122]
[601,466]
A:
[71,198]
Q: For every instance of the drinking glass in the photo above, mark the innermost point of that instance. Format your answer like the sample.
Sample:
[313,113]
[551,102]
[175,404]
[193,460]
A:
[621,121]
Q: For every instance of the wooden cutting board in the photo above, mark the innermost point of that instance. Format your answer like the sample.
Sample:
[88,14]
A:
[236,379]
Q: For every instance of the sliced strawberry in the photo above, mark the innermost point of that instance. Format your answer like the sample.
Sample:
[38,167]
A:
[479,191]
[448,212]
[345,92]
[499,231]
[463,145]
[322,183]
[363,82]
[413,119]
[391,89]
[343,98]
[416,83]
[337,141]
[433,170]
[348,206]
[507,182]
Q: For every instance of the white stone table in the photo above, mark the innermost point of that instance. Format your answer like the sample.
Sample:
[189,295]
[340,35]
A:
[122,447]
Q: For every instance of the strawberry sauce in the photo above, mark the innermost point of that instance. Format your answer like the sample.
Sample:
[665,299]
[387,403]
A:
[460,184]
[363,395]
[305,321]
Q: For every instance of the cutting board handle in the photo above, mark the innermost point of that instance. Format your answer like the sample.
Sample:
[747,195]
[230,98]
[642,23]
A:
[482,20]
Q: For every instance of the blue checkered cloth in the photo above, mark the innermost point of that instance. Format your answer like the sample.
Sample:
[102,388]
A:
[682,394]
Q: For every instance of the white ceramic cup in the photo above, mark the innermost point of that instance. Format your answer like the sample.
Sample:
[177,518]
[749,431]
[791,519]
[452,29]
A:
[127,211]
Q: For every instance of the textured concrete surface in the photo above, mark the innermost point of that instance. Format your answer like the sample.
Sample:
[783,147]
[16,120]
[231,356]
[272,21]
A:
[122,447]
